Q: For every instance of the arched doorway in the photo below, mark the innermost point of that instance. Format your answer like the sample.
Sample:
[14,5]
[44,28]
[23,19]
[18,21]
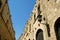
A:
[57,28]
[39,35]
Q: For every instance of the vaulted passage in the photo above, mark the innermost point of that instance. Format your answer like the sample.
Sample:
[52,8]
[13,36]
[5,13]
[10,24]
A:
[57,28]
[39,35]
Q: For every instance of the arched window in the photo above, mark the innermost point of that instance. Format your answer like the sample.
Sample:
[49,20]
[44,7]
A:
[57,28]
[39,35]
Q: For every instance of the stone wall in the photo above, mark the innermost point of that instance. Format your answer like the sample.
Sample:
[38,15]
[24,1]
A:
[6,30]
[42,18]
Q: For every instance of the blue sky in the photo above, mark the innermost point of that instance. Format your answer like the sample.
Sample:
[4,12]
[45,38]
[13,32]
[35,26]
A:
[20,11]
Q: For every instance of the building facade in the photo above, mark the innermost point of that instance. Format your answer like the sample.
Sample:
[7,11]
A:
[6,29]
[44,21]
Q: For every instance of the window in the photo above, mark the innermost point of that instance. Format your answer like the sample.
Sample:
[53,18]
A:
[43,18]
[39,18]
[0,3]
[48,29]
[30,28]
[48,0]
[38,9]
[38,24]
[39,14]
[34,17]
[39,35]
[57,28]
[29,39]
[6,1]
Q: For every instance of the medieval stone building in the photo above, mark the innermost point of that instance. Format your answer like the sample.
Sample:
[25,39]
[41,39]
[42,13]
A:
[6,29]
[44,21]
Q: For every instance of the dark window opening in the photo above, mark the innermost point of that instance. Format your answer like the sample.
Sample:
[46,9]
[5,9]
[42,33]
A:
[29,39]
[48,29]
[39,14]
[39,10]
[48,0]
[43,18]
[34,17]
[38,24]
[57,28]
[30,28]
[6,1]
[39,35]
[0,3]
[39,18]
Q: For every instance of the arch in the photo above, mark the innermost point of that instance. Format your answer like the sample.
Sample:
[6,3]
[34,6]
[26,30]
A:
[57,28]
[39,35]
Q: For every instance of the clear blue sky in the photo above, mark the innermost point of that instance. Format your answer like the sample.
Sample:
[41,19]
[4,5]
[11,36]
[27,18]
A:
[20,11]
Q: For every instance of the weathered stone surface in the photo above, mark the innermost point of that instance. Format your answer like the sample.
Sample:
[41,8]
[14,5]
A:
[50,11]
[6,29]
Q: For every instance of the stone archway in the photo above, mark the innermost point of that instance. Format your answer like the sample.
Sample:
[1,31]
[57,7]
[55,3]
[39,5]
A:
[39,35]
[57,28]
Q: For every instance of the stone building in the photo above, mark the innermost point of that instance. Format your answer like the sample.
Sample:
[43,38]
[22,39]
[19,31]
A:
[44,21]
[6,29]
